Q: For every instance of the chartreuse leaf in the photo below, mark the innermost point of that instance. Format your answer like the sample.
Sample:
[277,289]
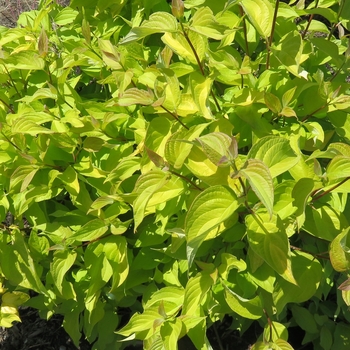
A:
[25,126]
[338,168]
[228,262]
[116,252]
[278,344]
[171,297]
[260,14]
[289,52]
[301,194]
[143,325]
[196,288]
[70,180]
[158,22]
[146,186]
[268,238]
[18,266]
[178,148]
[62,262]
[204,22]
[276,153]
[136,96]
[172,90]
[200,88]
[307,272]
[10,301]
[27,60]
[209,209]
[170,332]
[259,178]
[247,308]
[90,231]
[339,251]
[275,331]
[217,146]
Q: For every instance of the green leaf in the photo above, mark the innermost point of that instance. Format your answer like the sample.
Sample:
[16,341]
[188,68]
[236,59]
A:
[158,22]
[170,332]
[260,14]
[204,22]
[70,179]
[62,261]
[339,251]
[90,231]
[269,240]
[276,153]
[247,308]
[136,96]
[200,88]
[273,102]
[27,60]
[147,185]
[338,168]
[220,148]
[24,126]
[259,178]
[178,148]
[209,209]
[304,319]
[307,272]
[18,266]
[65,16]
[301,194]
[196,288]
[149,320]
[289,52]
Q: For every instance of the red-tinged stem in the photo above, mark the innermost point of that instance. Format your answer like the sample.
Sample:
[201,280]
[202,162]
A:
[175,117]
[331,189]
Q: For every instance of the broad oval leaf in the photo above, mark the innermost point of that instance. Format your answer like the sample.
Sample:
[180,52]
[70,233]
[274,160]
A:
[339,252]
[217,146]
[260,14]
[247,308]
[307,272]
[209,209]
[259,178]
[338,168]
[269,240]
[158,22]
[276,153]
[136,96]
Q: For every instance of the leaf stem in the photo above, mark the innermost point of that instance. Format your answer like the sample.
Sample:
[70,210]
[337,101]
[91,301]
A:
[330,190]
[309,22]
[218,337]
[269,42]
[12,81]
[331,32]
[186,179]
[315,111]
[199,64]
[174,116]
[8,106]
[244,31]
[321,256]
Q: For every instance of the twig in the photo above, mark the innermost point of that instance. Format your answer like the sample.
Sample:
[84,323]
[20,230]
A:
[175,117]
[186,179]
[321,256]
[330,190]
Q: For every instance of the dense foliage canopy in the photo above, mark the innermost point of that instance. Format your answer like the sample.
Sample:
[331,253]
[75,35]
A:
[164,167]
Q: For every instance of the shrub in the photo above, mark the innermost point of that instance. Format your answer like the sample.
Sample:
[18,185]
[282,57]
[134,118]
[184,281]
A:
[163,167]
